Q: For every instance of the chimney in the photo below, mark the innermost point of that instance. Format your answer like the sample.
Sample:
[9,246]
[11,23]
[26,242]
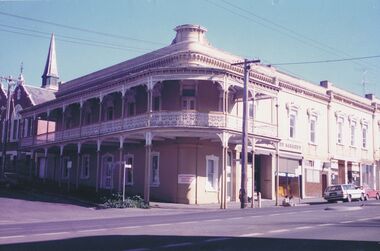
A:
[326,84]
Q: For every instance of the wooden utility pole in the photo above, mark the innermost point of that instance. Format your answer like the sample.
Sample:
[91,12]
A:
[243,188]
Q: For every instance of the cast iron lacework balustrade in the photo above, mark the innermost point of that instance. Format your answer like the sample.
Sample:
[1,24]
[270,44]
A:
[190,119]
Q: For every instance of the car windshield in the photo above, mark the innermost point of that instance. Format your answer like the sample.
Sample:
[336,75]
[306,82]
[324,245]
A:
[334,188]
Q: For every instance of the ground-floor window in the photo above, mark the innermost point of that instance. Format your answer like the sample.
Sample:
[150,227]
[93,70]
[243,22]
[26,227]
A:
[85,170]
[129,171]
[155,168]
[212,173]
[66,166]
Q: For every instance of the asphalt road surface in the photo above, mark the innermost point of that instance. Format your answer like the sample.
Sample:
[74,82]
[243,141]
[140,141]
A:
[338,226]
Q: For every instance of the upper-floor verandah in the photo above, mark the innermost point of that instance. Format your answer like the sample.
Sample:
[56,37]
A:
[177,102]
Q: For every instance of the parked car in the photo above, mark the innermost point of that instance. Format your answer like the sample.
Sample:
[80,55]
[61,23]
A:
[370,192]
[344,192]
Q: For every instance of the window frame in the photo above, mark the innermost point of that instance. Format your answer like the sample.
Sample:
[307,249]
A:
[129,171]
[214,186]
[155,182]
[292,128]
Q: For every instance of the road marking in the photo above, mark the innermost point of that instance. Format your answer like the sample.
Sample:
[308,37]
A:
[137,249]
[189,222]
[12,236]
[304,227]
[214,220]
[129,227]
[235,218]
[274,214]
[159,225]
[278,231]
[183,244]
[217,239]
[47,234]
[348,221]
[364,219]
[254,216]
[325,224]
[92,230]
[251,235]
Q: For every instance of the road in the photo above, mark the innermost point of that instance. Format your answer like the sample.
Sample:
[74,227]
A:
[339,226]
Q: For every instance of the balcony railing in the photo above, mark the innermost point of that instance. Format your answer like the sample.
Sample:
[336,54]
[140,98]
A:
[164,119]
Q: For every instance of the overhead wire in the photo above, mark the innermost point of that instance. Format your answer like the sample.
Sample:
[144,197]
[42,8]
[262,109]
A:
[282,29]
[79,28]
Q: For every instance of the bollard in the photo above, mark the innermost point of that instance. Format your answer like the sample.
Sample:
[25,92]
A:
[259,199]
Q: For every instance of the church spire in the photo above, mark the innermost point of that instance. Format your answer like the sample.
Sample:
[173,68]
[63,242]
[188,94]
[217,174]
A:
[50,76]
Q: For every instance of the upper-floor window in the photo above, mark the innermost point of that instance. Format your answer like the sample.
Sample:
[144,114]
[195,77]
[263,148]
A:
[312,130]
[340,132]
[188,96]
[156,103]
[251,109]
[110,110]
[292,126]
[353,129]
[364,133]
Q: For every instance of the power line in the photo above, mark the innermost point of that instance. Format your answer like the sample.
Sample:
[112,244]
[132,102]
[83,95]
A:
[79,29]
[328,61]
[282,29]
[100,43]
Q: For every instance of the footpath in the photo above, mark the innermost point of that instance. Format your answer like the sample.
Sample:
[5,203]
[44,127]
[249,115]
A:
[18,208]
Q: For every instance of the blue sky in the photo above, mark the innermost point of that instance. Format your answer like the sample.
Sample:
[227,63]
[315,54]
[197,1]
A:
[274,31]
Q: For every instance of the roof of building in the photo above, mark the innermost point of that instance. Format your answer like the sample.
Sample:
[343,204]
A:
[39,95]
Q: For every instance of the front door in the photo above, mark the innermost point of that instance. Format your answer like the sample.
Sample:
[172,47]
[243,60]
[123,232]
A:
[107,172]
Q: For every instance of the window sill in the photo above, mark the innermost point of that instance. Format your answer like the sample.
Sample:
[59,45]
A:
[84,177]
[211,190]
[364,149]
[354,147]
[155,185]
[313,144]
[340,144]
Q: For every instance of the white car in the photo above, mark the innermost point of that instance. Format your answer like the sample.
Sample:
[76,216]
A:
[344,192]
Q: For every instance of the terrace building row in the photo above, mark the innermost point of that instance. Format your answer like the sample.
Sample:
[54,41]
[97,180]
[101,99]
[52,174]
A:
[174,116]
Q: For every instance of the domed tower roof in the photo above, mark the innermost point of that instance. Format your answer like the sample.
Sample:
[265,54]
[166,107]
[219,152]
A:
[190,33]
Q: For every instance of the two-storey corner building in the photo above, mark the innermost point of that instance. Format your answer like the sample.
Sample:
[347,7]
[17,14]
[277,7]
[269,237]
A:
[172,121]
[174,115]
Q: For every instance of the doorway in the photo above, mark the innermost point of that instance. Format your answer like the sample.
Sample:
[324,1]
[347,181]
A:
[107,171]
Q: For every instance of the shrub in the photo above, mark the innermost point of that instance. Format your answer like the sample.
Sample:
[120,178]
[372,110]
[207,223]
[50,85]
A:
[116,201]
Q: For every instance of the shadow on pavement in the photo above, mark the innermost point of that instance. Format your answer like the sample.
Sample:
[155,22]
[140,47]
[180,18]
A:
[148,242]
[42,197]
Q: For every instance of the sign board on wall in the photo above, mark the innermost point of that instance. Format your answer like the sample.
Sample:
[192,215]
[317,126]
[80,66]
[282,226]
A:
[186,178]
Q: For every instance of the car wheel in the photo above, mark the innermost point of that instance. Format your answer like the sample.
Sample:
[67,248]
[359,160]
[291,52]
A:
[330,201]
[377,196]
[362,197]
[349,198]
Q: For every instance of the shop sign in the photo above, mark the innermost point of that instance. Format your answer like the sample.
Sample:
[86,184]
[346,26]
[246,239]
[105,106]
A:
[186,178]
